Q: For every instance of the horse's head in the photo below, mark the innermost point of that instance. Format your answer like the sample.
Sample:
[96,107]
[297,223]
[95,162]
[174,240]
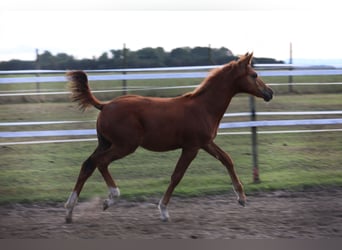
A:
[248,80]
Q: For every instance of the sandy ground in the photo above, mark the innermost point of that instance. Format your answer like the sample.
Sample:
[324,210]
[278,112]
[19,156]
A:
[283,214]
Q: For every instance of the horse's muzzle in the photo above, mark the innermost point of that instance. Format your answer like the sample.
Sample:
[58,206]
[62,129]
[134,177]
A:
[267,94]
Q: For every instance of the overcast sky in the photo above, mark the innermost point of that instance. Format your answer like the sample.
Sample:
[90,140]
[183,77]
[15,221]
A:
[88,28]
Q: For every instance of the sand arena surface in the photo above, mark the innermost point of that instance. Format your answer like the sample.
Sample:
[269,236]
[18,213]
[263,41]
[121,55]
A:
[281,214]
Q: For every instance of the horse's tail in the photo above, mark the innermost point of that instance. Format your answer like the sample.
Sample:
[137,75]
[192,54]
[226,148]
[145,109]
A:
[81,92]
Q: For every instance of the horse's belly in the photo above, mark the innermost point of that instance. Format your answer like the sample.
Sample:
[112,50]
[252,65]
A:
[160,142]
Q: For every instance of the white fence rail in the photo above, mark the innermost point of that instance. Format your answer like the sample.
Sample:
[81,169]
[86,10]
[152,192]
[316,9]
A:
[195,72]
[240,114]
[230,125]
[272,70]
[147,76]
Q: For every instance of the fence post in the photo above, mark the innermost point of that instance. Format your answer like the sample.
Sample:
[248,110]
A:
[37,68]
[290,76]
[210,56]
[124,57]
[256,178]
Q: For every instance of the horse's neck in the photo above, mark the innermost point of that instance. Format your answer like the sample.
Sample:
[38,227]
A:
[216,99]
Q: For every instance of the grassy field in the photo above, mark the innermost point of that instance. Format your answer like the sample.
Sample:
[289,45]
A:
[293,161]
[47,172]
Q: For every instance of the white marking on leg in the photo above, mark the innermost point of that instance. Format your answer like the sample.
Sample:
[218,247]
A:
[72,200]
[240,198]
[69,205]
[114,192]
[164,213]
[236,193]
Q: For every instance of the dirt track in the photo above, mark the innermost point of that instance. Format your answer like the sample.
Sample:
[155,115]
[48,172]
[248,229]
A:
[309,214]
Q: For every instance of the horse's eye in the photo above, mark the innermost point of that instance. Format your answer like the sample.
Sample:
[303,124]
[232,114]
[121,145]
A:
[254,75]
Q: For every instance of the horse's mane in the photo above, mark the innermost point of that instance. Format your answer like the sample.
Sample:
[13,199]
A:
[213,76]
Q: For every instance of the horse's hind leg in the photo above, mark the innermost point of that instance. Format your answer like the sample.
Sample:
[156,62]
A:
[114,191]
[112,154]
[86,171]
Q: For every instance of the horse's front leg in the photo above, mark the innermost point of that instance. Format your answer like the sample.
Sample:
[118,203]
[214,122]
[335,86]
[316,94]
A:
[222,156]
[69,206]
[184,161]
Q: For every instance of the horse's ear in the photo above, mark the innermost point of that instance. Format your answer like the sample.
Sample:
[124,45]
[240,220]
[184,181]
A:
[246,60]
[249,57]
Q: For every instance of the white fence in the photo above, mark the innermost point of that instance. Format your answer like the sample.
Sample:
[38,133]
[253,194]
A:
[263,70]
[230,125]
[182,72]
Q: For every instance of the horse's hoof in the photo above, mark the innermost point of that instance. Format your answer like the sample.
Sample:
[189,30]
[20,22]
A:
[164,214]
[105,205]
[164,219]
[108,203]
[242,202]
[68,216]
[68,220]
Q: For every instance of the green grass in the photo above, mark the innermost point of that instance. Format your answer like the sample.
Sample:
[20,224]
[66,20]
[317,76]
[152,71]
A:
[48,172]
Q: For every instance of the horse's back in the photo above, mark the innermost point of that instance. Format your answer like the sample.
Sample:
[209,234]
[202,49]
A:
[144,107]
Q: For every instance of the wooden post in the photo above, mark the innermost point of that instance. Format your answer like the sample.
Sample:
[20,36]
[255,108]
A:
[256,178]
[290,77]
[37,68]
[210,56]
[124,65]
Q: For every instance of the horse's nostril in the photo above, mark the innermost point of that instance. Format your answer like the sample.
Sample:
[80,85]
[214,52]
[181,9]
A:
[268,95]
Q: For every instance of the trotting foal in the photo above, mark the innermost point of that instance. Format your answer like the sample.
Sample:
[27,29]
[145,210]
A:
[189,122]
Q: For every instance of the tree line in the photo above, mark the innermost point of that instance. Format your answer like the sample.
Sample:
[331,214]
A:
[126,58]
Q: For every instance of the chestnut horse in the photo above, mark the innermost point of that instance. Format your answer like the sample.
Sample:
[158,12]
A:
[189,122]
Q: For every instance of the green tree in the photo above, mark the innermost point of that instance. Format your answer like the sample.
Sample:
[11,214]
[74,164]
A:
[47,61]
[180,57]
[64,61]
[145,57]
[150,57]
[201,56]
